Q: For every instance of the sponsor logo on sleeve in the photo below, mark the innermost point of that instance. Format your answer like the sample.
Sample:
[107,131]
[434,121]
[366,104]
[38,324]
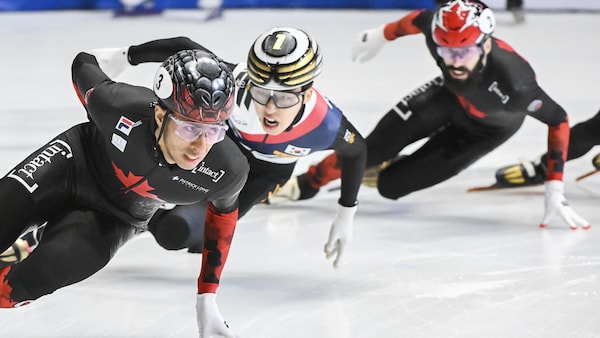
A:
[119,142]
[349,136]
[493,88]
[125,125]
[26,174]
[535,105]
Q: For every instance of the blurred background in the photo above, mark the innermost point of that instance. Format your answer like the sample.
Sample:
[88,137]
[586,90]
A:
[26,5]
[438,263]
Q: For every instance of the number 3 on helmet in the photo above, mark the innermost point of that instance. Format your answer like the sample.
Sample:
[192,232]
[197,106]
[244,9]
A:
[196,84]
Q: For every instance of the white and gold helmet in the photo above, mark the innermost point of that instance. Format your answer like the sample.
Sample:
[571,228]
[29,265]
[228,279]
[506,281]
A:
[284,58]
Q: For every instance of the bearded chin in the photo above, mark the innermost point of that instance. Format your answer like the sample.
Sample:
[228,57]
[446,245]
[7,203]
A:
[458,86]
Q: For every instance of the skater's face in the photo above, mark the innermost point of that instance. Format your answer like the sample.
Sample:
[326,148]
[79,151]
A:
[462,61]
[177,143]
[276,109]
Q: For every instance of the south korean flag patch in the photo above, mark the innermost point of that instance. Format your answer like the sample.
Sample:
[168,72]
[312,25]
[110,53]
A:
[296,151]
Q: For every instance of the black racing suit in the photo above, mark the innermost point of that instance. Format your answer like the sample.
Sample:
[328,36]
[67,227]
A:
[584,136]
[322,126]
[462,121]
[98,183]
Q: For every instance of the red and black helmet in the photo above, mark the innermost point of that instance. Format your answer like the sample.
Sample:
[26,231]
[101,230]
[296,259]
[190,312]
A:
[461,23]
[196,84]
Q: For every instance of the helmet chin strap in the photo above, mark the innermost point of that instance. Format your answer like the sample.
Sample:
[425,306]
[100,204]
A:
[157,150]
[301,111]
[297,118]
[479,66]
[478,69]
[162,126]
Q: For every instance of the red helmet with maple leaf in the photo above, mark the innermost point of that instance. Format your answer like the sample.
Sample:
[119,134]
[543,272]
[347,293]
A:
[461,23]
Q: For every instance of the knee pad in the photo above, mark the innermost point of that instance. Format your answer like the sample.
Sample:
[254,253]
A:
[179,228]
[388,188]
[170,231]
[386,192]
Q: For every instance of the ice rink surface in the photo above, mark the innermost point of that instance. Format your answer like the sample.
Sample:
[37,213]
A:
[437,263]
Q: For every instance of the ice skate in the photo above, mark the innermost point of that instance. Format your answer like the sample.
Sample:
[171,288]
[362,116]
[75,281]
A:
[525,174]
[596,164]
[16,253]
[21,248]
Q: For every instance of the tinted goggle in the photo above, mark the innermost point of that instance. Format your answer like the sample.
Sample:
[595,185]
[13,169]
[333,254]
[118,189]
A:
[280,98]
[190,131]
[459,53]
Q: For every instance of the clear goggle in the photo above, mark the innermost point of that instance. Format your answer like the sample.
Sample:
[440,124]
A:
[280,98]
[190,131]
[459,53]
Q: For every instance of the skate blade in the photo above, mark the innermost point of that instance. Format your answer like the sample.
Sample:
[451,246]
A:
[595,171]
[486,188]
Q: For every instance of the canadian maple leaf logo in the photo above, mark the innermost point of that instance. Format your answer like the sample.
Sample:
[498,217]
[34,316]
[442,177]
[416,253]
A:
[140,187]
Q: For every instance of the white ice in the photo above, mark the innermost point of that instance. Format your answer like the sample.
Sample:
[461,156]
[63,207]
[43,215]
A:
[437,263]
